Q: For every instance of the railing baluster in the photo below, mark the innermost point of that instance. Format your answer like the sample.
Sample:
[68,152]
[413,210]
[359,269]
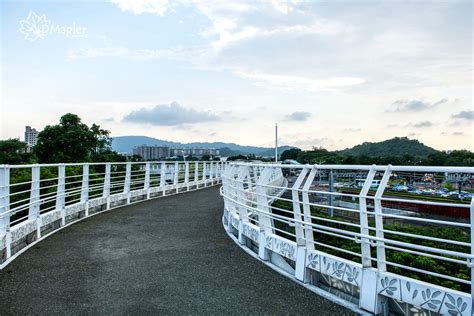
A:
[186,175]
[61,193]
[34,193]
[472,249]
[106,192]
[176,176]
[146,184]
[163,178]
[5,207]
[204,173]
[34,209]
[128,175]
[196,174]
[85,188]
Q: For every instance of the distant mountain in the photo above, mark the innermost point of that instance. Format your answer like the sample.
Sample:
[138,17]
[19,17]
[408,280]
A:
[397,146]
[126,144]
[271,151]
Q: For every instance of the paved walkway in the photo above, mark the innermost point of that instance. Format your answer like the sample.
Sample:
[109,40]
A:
[164,256]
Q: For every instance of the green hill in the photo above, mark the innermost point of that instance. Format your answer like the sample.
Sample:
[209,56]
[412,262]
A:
[397,146]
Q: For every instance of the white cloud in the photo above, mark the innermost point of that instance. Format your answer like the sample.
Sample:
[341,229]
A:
[169,115]
[158,7]
[464,115]
[414,105]
[288,82]
[298,116]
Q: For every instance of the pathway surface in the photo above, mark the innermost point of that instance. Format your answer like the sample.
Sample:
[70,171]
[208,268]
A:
[165,256]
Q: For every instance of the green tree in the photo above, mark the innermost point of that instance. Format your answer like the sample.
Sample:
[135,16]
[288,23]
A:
[71,141]
[290,154]
[14,152]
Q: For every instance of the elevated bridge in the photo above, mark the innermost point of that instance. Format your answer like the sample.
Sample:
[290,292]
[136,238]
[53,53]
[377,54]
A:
[215,238]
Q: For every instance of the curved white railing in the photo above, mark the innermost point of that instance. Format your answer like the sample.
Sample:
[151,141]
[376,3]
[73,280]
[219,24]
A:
[38,200]
[341,232]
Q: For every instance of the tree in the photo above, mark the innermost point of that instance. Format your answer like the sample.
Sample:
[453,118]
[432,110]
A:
[14,151]
[71,141]
[290,154]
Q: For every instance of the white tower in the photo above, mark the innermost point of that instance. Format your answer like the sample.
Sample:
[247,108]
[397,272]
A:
[276,142]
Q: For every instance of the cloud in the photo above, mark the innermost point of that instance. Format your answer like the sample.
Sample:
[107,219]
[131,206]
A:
[298,116]
[413,134]
[108,119]
[177,53]
[158,7]
[352,130]
[464,115]
[289,82]
[452,134]
[422,124]
[169,115]
[414,105]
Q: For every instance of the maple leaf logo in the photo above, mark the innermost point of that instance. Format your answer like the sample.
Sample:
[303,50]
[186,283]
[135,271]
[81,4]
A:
[34,26]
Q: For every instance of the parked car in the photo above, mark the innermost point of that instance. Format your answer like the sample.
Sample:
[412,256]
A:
[455,194]
[400,188]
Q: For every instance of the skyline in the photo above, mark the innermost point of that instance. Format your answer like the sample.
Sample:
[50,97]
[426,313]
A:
[205,71]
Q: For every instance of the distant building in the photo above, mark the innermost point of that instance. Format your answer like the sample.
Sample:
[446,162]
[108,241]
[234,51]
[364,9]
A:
[31,136]
[195,152]
[158,152]
[151,152]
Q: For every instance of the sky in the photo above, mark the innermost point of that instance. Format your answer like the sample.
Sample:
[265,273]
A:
[333,74]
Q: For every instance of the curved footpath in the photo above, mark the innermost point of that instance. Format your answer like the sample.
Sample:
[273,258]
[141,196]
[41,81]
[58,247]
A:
[169,256]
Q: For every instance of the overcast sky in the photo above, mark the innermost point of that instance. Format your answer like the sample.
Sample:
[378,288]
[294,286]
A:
[331,73]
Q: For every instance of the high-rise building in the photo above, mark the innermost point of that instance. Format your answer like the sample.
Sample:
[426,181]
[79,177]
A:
[151,152]
[31,136]
[195,152]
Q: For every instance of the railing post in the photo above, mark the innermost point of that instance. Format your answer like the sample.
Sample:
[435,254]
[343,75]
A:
[307,208]
[106,192]
[204,173]
[212,173]
[381,265]
[265,222]
[34,209]
[146,184]
[241,198]
[196,174]
[85,188]
[368,294]
[5,207]
[472,250]
[227,188]
[186,175]
[175,176]
[128,176]
[61,193]
[34,193]
[300,267]
[363,219]
[163,177]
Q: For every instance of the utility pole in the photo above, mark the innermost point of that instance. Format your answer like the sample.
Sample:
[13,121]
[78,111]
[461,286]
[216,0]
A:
[276,142]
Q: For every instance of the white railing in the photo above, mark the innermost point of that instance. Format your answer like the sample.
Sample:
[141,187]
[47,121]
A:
[347,232]
[37,200]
